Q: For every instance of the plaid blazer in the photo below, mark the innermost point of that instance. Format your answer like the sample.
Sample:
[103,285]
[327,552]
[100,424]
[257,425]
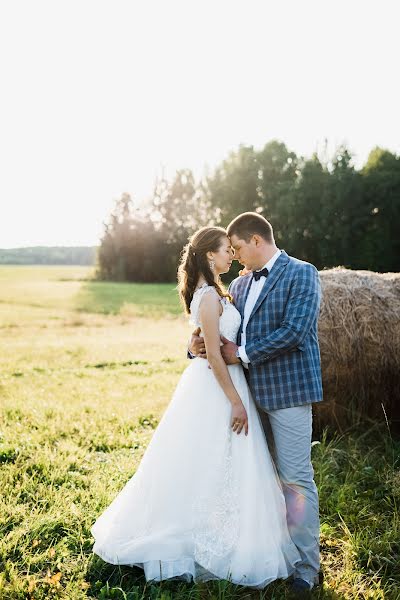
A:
[282,334]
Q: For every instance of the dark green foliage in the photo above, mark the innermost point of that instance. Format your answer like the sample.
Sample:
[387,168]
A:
[325,212]
[131,248]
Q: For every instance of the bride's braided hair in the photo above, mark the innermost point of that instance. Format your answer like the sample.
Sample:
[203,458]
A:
[194,262]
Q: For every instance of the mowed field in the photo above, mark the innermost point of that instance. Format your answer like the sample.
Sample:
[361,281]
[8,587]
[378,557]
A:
[86,370]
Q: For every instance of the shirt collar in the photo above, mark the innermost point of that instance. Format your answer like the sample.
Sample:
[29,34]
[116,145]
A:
[268,265]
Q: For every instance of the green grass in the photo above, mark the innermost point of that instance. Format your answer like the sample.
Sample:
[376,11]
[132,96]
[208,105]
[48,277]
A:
[73,289]
[85,376]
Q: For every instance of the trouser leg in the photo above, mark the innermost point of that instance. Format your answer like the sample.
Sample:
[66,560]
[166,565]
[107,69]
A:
[291,429]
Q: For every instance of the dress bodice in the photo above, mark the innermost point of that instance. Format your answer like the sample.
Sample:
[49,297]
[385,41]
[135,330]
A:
[230,319]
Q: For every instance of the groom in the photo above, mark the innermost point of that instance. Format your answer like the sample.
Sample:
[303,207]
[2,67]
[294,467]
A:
[279,301]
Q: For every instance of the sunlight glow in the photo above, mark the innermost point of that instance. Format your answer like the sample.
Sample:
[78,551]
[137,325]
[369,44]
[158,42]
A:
[98,97]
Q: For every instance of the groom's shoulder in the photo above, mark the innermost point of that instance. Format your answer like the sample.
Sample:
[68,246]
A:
[239,281]
[303,264]
[297,264]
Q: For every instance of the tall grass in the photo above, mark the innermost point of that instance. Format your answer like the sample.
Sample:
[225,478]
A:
[81,391]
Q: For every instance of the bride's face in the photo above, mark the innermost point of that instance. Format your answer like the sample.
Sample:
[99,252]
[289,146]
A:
[223,257]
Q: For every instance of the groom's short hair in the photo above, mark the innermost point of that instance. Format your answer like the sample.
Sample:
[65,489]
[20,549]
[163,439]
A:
[248,224]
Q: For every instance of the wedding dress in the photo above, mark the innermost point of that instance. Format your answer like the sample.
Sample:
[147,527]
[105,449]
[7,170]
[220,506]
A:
[205,502]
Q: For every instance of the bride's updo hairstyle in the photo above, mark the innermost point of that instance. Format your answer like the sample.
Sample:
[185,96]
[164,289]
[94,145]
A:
[194,262]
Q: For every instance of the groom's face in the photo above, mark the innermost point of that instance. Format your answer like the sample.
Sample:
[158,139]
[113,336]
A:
[245,252]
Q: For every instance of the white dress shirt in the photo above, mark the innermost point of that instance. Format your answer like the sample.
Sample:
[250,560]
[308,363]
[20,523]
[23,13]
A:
[254,292]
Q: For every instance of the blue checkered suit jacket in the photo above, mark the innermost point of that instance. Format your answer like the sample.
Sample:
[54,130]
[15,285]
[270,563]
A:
[282,334]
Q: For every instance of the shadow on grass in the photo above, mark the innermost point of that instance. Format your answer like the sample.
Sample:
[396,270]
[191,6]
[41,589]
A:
[129,583]
[358,483]
[135,299]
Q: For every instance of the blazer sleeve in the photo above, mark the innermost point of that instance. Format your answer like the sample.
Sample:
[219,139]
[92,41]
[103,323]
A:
[232,285]
[301,311]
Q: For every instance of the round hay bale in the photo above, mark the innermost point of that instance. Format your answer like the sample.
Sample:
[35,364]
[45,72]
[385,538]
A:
[359,335]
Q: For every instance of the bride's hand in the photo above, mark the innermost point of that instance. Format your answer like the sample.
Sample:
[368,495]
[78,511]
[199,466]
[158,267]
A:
[239,419]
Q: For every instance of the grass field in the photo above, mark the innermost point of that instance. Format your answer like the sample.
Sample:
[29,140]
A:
[86,371]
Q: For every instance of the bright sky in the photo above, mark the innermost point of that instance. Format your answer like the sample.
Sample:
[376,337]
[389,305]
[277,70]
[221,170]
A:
[96,97]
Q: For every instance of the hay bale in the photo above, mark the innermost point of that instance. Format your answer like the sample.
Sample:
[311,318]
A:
[359,335]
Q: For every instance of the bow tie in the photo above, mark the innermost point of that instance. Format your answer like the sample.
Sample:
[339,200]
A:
[258,274]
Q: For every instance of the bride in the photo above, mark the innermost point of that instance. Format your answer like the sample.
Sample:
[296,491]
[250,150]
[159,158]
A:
[206,501]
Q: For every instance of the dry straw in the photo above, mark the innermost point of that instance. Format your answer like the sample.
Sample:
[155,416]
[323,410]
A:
[359,334]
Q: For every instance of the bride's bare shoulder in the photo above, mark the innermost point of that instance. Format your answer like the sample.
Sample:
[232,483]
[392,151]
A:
[210,302]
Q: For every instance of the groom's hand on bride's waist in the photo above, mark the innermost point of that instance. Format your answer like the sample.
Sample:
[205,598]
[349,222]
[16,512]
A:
[228,351]
[197,346]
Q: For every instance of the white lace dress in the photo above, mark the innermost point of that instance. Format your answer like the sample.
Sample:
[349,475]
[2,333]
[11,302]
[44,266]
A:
[205,503]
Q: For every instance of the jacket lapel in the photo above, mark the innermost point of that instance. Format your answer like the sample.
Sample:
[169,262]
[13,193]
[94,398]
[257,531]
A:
[242,293]
[242,297]
[271,280]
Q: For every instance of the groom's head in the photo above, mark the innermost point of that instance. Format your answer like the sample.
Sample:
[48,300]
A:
[252,238]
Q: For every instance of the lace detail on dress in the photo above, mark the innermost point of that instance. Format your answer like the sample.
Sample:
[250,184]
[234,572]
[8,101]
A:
[229,321]
[195,303]
[217,514]
[216,511]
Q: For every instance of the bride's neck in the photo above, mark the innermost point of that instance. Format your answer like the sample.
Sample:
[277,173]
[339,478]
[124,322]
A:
[201,280]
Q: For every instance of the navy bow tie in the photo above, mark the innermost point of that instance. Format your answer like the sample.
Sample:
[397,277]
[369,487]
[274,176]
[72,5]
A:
[258,274]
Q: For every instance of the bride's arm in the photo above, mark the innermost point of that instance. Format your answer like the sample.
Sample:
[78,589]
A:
[209,317]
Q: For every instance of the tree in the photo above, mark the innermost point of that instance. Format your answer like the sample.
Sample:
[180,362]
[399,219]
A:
[233,187]
[131,248]
[322,211]
[178,209]
[307,222]
[380,244]
[278,173]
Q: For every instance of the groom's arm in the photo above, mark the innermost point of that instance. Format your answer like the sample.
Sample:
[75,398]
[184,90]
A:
[300,312]
[196,345]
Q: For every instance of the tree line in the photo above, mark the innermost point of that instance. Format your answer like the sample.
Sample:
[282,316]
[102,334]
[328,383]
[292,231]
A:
[49,255]
[326,212]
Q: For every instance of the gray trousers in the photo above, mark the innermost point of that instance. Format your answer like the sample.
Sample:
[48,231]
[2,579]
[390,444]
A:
[288,432]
